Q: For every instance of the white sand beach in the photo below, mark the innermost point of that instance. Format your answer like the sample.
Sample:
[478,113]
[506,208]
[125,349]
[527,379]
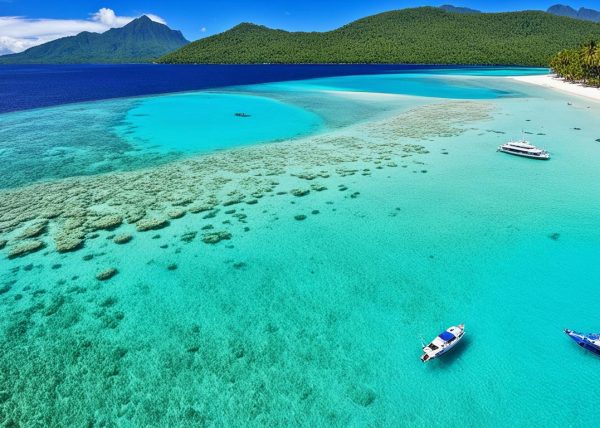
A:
[553,82]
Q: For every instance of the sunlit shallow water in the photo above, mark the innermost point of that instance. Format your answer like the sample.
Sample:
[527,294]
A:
[318,321]
[208,121]
[133,133]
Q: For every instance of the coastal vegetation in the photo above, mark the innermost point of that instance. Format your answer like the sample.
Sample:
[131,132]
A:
[579,65]
[421,35]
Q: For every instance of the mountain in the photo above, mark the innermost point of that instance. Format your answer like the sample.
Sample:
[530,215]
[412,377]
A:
[582,13]
[142,40]
[422,35]
[454,9]
[563,10]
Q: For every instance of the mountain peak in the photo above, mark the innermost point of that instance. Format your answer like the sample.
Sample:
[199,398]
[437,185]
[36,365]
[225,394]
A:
[561,8]
[141,40]
[143,18]
[582,13]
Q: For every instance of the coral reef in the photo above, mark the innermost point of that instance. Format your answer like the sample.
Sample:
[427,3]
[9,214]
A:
[215,237]
[25,248]
[299,192]
[69,241]
[151,224]
[210,347]
[34,230]
[106,274]
[188,236]
[123,238]
[175,214]
[108,222]
[73,209]
[201,208]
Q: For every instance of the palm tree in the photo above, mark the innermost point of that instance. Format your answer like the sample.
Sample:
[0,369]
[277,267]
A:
[587,52]
[595,64]
[561,64]
[581,64]
[590,57]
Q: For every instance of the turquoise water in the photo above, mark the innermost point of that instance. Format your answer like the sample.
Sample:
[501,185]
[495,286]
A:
[318,321]
[207,121]
[491,71]
[133,133]
[417,84]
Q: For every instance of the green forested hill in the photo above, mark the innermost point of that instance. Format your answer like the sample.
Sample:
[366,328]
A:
[142,40]
[422,35]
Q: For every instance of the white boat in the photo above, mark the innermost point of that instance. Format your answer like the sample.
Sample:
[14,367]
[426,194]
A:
[524,148]
[443,342]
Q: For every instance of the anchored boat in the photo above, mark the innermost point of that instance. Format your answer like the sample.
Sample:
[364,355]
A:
[590,341]
[443,342]
[524,148]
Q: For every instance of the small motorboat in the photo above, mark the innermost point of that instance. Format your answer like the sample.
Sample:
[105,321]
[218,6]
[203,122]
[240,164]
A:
[525,149]
[590,341]
[443,342]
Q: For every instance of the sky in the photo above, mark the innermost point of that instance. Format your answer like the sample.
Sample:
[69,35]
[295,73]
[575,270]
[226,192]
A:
[26,23]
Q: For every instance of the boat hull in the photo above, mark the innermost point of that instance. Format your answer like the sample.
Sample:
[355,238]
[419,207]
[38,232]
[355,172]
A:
[443,343]
[582,341]
[524,155]
[427,357]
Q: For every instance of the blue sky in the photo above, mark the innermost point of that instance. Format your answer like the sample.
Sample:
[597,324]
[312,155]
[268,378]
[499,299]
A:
[199,18]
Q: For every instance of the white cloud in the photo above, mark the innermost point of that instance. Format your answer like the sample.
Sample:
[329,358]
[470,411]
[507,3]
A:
[19,33]
[203,30]
[109,18]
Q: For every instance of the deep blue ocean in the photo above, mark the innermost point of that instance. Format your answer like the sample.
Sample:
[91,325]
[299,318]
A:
[32,86]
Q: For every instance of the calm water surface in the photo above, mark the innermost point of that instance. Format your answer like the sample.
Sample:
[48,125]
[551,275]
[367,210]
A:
[313,320]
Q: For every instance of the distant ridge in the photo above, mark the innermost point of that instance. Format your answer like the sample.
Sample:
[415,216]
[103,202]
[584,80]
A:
[455,9]
[424,35]
[583,13]
[141,40]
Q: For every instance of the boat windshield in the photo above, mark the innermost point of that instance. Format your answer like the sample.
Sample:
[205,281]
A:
[432,347]
[447,336]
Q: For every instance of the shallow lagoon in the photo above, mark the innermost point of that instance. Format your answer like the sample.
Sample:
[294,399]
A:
[200,122]
[412,222]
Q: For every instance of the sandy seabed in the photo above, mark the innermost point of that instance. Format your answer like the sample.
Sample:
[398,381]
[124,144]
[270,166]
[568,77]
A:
[289,283]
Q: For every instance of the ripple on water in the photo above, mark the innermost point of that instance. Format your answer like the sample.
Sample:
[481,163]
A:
[226,335]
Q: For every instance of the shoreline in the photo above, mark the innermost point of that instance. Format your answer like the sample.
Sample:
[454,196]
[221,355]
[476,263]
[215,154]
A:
[551,82]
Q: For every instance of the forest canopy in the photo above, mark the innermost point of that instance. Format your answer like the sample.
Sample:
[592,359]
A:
[410,36]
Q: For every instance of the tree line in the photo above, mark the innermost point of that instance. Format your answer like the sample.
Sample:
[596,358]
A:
[579,65]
